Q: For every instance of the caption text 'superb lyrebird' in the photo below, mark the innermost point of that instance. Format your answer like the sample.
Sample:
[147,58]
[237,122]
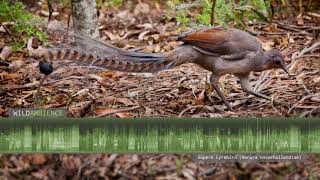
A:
[219,50]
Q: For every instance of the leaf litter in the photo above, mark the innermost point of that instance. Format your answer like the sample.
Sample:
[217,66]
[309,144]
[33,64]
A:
[183,91]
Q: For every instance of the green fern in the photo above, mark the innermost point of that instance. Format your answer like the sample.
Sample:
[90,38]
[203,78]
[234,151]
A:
[205,16]
[24,24]
[225,11]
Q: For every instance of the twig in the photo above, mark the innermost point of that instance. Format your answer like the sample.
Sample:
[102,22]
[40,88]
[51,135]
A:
[307,49]
[313,14]
[13,87]
[302,52]
[50,10]
[7,31]
[259,83]
[212,12]
[191,107]
[293,28]
[5,64]
[301,100]
[81,167]
[255,33]
[118,111]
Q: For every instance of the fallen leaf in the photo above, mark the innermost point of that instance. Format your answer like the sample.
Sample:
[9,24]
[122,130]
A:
[111,110]
[200,98]
[5,53]
[8,76]
[157,48]
[112,100]
[188,174]
[300,20]
[141,8]
[112,74]
[40,174]
[125,101]
[142,35]
[38,159]
[15,65]
[315,99]
[316,79]
[111,36]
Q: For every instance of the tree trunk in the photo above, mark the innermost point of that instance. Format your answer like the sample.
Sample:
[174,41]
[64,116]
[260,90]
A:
[84,17]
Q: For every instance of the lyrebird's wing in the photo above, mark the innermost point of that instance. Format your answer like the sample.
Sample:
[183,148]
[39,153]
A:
[223,42]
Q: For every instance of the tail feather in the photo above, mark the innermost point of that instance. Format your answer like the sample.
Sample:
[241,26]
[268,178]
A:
[125,61]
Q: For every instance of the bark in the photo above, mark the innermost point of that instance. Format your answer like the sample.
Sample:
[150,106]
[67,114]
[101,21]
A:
[84,17]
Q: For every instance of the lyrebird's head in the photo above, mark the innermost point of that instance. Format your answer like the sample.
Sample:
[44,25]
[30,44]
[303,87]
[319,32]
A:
[274,59]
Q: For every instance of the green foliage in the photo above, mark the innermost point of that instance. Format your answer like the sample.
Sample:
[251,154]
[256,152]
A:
[109,3]
[182,18]
[225,11]
[24,24]
[205,16]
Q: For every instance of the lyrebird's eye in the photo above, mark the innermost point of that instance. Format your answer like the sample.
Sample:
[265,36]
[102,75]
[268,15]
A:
[278,62]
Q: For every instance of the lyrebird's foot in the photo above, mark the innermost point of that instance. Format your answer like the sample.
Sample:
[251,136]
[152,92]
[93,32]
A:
[229,107]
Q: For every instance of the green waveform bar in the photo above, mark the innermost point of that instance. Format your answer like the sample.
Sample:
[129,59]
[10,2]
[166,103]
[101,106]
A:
[159,135]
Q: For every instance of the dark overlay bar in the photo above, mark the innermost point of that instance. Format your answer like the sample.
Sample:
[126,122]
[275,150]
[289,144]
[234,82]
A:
[159,135]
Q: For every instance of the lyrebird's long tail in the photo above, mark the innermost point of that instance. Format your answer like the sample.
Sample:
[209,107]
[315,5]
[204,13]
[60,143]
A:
[119,60]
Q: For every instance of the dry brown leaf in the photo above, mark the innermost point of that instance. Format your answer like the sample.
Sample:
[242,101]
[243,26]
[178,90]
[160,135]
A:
[200,98]
[125,101]
[148,49]
[71,163]
[157,48]
[141,8]
[112,74]
[111,36]
[300,21]
[316,79]
[155,37]
[188,174]
[124,115]
[112,99]
[8,76]
[40,174]
[315,99]
[111,110]
[38,159]
[15,65]
[142,35]
[5,53]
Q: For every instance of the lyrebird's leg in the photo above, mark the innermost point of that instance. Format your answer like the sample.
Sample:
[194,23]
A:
[45,68]
[246,87]
[39,88]
[214,80]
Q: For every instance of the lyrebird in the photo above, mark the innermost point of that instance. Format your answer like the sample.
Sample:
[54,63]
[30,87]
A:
[219,50]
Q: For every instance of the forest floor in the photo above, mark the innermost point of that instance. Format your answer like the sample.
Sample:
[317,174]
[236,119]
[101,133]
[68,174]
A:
[180,92]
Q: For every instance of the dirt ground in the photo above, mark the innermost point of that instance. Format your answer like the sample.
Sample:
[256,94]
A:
[180,92]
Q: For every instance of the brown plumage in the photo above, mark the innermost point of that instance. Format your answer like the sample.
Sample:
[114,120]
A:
[219,50]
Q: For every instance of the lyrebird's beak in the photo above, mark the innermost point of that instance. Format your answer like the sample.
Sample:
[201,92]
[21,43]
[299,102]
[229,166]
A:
[284,67]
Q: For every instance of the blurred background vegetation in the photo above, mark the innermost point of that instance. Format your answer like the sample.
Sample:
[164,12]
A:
[239,13]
